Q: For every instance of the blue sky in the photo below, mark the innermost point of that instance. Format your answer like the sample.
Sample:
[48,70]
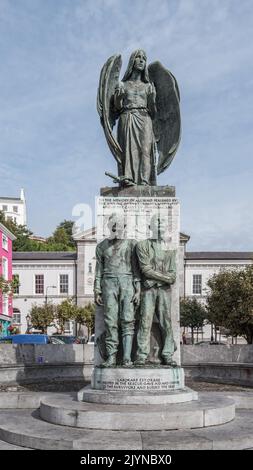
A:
[51,141]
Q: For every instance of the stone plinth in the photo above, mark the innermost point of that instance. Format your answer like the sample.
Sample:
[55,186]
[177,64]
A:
[137,210]
[138,379]
[88,394]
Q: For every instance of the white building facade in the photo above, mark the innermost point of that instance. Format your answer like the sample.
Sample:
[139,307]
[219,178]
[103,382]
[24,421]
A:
[43,277]
[54,276]
[14,208]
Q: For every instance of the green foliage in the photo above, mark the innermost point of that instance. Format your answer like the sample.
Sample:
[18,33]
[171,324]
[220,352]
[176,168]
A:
[230,302]
[8,287]
[86,316]
[61,240]
[22,242]
[192,314]
[67,226]
[65,311]
[42,316]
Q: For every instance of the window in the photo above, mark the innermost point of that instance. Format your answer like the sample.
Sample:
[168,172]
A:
[5,242]
[90,268]
[16,278]
[15,209]
[197,284]
[5,268]
[64,283]
[5,305]
[39,283]
[67,327]
[5,208]
[17,318]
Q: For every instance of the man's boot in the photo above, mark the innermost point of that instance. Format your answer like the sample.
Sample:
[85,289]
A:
[168,361]
[127,342]
[110,361]
[140,361]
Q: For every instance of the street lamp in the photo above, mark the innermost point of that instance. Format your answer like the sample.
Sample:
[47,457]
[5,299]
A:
[28,318]
[48,287]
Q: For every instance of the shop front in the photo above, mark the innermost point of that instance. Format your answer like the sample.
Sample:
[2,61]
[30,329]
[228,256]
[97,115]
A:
[4,325]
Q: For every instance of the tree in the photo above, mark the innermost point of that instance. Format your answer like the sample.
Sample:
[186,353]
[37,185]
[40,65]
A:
[230,301]
[86,316]
[67,225]
[65,311]
[42,316]
[22,234]
[62,237]
[192,314]
[61,240]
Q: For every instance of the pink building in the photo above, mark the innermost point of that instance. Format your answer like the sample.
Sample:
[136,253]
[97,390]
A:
[6,309]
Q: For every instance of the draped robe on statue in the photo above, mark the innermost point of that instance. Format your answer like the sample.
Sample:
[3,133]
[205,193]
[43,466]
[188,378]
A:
[135,133]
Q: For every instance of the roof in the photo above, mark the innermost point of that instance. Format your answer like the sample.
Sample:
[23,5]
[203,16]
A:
[7,232]
[219,255]
[10,198]
[44,255]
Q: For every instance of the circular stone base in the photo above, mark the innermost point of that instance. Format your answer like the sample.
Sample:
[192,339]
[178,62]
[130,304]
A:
[87,394]
[208,411]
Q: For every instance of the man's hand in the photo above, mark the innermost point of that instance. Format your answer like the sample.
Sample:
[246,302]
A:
[98,299]
[171,278]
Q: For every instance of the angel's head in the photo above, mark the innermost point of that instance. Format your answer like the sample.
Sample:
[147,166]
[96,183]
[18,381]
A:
[137,61]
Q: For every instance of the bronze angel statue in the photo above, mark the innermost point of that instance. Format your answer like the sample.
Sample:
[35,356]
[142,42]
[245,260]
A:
[146,105]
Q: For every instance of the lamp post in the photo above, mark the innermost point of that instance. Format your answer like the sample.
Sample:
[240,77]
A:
[48,287]
[28,318]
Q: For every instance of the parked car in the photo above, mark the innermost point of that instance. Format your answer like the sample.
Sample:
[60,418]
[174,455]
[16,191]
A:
[201,343]
[91,339]
[64,339]
[25,339]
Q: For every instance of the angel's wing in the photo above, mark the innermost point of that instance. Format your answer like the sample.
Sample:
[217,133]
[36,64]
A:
[167,123]
[109,79]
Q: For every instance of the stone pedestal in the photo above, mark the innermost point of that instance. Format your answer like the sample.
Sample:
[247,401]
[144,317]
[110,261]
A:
[152,397]
[153,383]
[138,207]
[138,379]
[146,385]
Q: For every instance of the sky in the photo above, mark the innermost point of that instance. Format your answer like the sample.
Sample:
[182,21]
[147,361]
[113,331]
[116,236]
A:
[51,140]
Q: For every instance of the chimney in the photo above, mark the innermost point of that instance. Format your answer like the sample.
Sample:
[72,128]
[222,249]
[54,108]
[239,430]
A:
[22,194]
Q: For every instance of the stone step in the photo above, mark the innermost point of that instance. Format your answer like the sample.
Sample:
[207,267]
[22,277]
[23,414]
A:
[88,394]
[28,400]
[24,428]
[6,446]
[209,410]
